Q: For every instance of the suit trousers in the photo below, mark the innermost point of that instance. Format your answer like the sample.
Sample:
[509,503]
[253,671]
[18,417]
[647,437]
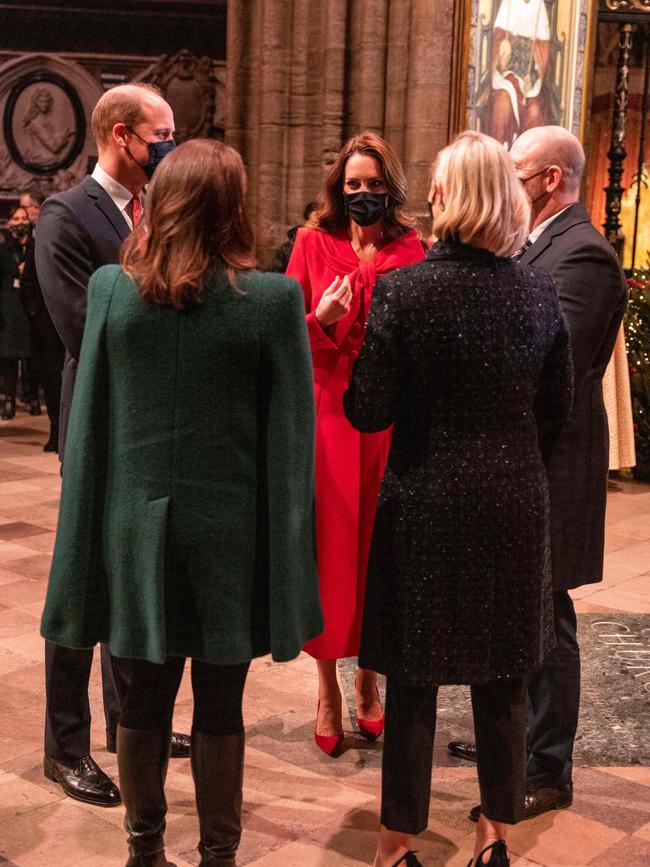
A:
[554,694]
[499,711]
[67,709]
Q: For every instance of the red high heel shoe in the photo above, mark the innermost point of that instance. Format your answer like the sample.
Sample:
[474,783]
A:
[329,744]
[371,728]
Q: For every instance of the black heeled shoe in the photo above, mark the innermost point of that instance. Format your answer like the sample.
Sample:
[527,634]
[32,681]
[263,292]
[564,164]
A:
[35,406]
[498,858]
[9,410]
[409,859]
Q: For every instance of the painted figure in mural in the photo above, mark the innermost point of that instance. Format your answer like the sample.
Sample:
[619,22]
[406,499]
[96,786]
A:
[521,51]
[46,141]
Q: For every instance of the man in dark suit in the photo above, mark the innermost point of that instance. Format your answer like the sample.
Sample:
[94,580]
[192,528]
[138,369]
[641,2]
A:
[79,231]
[593,295]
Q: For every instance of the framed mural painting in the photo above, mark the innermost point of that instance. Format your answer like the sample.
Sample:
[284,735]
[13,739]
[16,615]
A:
[526,65]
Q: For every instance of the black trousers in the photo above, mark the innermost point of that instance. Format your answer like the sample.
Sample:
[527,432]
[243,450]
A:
[67,710]
[46,364]
[500,727]
[554,696]
[218,691]
[9,373]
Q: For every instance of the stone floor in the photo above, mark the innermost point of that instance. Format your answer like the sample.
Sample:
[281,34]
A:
[301,808]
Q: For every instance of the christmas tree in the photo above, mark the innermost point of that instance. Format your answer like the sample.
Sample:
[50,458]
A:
[638,352]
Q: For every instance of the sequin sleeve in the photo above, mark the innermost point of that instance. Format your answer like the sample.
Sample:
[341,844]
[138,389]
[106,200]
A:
[371,400]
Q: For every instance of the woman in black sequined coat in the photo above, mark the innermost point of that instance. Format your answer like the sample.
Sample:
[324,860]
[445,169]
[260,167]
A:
[467,354]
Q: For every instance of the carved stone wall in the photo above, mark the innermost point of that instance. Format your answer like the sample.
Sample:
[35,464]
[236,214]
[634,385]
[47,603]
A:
[304,75]
[57,58]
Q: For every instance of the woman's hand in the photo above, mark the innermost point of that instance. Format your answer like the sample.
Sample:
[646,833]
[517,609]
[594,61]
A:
[335,302]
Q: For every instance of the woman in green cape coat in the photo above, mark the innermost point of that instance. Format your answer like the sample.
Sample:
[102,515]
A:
[186,515]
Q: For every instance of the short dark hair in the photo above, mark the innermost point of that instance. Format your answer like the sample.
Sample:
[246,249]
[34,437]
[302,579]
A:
[310,207]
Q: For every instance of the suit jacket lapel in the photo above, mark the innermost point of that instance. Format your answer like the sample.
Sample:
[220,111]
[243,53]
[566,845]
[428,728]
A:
[571,217]
[108,207]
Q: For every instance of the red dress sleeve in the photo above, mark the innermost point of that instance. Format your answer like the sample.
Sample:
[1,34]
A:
[299,269]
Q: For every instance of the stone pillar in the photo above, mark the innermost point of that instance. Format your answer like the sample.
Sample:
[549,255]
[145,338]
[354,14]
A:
[304,76]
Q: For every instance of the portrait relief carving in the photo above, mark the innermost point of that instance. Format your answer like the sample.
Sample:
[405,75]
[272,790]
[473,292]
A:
[44,123]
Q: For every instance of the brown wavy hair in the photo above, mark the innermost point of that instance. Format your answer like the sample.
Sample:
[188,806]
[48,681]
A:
[194,222]
[331,204]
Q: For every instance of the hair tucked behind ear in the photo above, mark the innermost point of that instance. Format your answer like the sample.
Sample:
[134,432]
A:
[485,204]
[195,221]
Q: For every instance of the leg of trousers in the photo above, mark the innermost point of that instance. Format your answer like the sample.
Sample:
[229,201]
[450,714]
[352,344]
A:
[67,711]
[554,698]
[499,711]
[500,724]
[116,677]
[409,730]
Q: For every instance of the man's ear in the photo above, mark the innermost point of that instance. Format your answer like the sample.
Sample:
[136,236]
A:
[555,175]
[120,134]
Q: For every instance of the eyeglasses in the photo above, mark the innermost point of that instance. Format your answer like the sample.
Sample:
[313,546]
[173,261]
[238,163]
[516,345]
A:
[524,181]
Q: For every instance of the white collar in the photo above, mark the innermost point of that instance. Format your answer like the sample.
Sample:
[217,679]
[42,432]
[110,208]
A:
[537,231]
[119,194]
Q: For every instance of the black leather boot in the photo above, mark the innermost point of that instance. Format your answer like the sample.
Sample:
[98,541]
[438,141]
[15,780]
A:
[218,771]
[142,758]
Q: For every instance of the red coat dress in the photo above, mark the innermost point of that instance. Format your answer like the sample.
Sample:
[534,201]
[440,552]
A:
[349,464]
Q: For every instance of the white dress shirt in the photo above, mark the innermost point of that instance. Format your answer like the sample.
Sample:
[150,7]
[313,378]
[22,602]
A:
[537,231]
[119,194]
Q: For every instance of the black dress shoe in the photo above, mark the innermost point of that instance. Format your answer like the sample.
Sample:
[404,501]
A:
[539,799]
[9,410]
[35,407]
[498,856]
[52,445]
[83,780]
[462,750]
[180,745]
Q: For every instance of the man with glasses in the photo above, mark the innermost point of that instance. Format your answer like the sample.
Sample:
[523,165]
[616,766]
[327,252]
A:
[593,295]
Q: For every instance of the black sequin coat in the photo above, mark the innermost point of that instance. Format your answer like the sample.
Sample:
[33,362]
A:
[468,355]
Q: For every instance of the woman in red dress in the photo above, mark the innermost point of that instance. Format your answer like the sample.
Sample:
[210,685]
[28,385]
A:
[362,234]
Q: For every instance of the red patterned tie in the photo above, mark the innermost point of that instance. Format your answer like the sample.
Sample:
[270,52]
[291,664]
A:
[135,210]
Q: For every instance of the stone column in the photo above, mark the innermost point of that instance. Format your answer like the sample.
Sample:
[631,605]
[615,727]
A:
[304,76]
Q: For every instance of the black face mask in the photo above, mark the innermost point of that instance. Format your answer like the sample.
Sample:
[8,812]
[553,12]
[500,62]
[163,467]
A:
[158,150]
[20,231]
[366,208]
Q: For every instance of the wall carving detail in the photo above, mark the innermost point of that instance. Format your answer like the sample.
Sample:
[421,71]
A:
[195,89]
[637,5]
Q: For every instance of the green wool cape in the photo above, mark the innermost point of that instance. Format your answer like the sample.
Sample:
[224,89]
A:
[186,521]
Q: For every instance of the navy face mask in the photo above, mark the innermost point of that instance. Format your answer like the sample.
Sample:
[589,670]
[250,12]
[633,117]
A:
[158,150]
[366,208]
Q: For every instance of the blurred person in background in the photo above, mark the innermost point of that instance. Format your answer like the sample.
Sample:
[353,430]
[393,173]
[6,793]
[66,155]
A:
[283,253]
[14,330]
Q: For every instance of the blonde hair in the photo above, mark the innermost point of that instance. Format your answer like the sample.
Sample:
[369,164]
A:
[122,104]
[484,202]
